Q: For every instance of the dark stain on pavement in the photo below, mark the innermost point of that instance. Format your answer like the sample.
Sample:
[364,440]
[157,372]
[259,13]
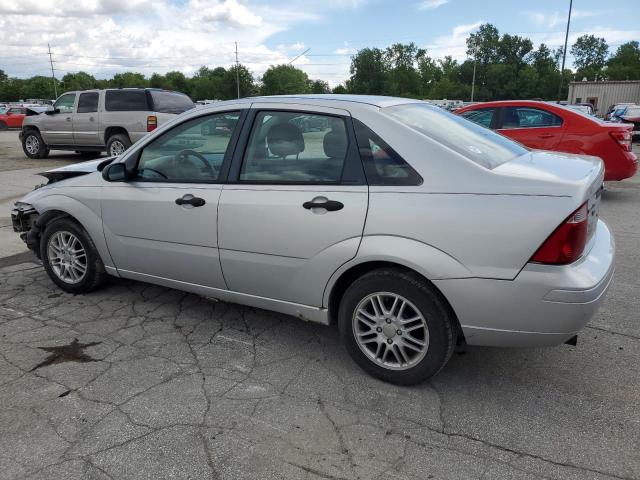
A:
[73,352]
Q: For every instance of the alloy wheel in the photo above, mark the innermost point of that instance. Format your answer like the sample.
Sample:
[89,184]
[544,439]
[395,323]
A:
[390,330]
[32,144]
[116,148]
[67,257]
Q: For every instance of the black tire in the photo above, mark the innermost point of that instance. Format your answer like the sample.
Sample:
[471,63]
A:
[3,126]
[94,275]
[31,138]
[118,138]
[438,317]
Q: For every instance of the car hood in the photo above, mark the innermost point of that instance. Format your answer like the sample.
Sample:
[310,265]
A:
[76,169]
[554,173]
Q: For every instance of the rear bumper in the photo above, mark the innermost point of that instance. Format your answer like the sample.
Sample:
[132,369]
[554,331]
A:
[625,167]
[544,305]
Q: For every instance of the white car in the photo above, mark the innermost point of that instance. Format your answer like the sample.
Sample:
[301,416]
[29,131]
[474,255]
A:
[408,227]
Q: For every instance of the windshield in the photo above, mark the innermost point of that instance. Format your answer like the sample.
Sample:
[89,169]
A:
[619,111]
[479,144]
[170,102]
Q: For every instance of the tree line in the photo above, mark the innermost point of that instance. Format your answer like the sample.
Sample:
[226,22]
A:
[506,66]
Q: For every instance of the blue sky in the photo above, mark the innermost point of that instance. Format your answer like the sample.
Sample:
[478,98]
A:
[104,37]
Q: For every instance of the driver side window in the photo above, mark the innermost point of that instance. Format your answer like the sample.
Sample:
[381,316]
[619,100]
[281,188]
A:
[65,103]
[190,152]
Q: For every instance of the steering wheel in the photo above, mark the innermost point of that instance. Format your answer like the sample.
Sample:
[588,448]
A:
[184,154]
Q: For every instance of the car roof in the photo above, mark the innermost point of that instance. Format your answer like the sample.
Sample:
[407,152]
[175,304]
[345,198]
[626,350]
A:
[335,100]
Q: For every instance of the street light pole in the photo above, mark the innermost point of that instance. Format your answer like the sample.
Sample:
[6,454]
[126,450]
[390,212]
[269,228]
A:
[237,72]
[473,81]
[53,75]
[564,51]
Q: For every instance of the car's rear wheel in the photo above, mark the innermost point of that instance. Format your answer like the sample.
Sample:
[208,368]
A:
[117,144]
[70,257]
[33,145]
[88,154]
[396,326]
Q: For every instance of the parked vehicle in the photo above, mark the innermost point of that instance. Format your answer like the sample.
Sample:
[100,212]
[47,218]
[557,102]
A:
[616,109]
[631,115]
[408,226]
[12,117]
[97,120]
[546,126]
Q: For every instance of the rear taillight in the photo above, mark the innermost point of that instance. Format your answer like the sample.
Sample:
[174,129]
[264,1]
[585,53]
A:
[567,242]
[623,138]
[152,123]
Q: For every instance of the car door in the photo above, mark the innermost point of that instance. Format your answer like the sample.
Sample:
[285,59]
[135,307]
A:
[86,121]
[57,125]
[162,223]
[294,207]
[15,117]
[531,126]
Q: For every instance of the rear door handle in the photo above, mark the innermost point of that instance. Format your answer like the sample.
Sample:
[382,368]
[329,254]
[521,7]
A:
[321,202]
[189,199]
[545,135]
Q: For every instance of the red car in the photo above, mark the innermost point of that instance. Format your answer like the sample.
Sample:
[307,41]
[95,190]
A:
[12,118]
[546,126]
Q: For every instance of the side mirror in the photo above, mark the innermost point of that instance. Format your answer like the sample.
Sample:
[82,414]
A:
[115,172]
[52,111]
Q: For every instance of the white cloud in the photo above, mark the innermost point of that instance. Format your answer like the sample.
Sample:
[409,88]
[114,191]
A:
[164,36]
[431,4]
[455,44]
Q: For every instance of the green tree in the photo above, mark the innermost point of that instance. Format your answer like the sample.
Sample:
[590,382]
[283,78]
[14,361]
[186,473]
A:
[404,79]
[625,63]
[284,79]
[129,80]
[247,84]
[78,81]
[319,86]
[369,72]
[177,81]
[38,87]
[206,84]
[590,56]
[340,89]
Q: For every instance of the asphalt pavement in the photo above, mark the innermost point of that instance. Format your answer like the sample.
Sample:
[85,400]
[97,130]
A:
[142,382]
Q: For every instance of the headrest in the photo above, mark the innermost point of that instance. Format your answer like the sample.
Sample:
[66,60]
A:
[335,145]
[285,139]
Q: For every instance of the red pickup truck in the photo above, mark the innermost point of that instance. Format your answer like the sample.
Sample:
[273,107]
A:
[12,118]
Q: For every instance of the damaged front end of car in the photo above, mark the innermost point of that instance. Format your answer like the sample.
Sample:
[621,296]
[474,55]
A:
[24,218]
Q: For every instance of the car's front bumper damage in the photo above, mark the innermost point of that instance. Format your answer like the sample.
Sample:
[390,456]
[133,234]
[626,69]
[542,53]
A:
[24,220]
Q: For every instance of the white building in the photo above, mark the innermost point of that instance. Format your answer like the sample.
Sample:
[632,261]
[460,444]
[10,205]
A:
[604,94]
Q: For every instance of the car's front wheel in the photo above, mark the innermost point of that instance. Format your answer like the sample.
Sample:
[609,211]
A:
[396,326]
[70,257]
[33,145]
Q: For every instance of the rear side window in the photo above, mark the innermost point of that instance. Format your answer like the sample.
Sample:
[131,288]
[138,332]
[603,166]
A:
[382,165]
[478,144]
[295,147]
[88,102]
[481,116]
[126,101]
[528,117]
[170,102]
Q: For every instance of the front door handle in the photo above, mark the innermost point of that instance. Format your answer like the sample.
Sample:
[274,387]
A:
[321,202]
[68,119]
[189,199]
[545,135]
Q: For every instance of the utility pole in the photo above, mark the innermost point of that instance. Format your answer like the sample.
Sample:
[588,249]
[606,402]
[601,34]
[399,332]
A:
[237,71]
[53,75]
[475,60]
[564,51]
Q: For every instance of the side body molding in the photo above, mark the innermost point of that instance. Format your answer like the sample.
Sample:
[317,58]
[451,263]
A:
[432,263]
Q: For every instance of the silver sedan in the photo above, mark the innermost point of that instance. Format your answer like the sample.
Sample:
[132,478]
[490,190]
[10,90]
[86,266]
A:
[408,227]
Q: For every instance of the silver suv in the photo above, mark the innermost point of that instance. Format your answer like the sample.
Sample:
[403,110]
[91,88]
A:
[93,121]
